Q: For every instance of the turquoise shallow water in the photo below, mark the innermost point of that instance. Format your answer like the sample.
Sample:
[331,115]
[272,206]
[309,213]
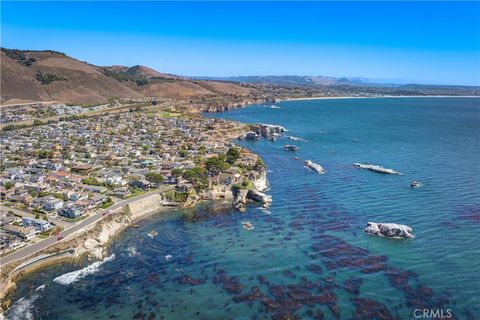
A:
[307,256]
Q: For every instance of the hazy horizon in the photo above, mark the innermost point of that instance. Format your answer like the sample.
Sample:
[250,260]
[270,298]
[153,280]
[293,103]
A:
[394,42]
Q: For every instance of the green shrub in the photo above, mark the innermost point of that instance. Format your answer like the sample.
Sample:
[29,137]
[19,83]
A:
[141,82]
[48,78]
[176,196]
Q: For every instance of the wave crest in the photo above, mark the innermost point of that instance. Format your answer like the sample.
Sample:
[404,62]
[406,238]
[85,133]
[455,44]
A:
[74,276]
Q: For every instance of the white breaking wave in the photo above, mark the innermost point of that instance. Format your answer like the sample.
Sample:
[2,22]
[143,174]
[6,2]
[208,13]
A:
[74,276]
[132,252]
[22,309]
[40,288]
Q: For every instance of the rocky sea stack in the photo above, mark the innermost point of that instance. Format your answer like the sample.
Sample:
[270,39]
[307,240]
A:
[391,230]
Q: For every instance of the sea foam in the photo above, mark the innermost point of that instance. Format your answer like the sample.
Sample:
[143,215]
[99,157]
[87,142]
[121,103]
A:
[22,309]
[74,276]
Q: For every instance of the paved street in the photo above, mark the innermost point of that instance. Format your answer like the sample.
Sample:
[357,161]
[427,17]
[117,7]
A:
[41,245]
[58,221]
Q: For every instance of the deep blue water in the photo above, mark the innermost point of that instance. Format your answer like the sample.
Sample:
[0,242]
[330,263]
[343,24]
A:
[307,255]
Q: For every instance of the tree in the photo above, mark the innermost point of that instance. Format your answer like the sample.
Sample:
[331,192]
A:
[197,176]
[232,155]
[154,177]
[91,181]
[216,164]
[9,185]
[183,153]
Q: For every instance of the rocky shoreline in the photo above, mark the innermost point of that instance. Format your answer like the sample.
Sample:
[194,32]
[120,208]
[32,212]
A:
[93,242]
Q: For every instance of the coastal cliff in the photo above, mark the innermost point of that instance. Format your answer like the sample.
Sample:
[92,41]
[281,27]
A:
[260,181]
[92,241]
[96,240]
[226,105]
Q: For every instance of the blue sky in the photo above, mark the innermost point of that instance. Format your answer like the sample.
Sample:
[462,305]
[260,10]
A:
[426,42]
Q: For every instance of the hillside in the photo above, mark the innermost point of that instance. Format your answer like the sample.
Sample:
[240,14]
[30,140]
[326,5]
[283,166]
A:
[136,72]
[47,75]
[29,76]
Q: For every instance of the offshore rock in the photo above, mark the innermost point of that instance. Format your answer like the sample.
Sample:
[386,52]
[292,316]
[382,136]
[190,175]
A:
[375,168]
[261,197]
[391,230]
[249,136]
[294,138]
[314,166]
[268,130]
[290,147]
[415,184]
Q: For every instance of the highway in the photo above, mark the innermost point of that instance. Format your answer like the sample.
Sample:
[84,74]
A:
[28,250]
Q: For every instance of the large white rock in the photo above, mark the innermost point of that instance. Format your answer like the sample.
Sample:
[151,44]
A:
[391,230]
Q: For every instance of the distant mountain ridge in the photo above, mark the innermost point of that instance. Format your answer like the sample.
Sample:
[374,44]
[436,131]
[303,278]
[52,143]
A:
[294,80]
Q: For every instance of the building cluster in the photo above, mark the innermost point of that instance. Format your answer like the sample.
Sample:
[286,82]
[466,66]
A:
[31,111]
[70,169]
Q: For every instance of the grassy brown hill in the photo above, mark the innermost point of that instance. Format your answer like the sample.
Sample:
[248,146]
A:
[136,72]
[146,72]
[47,75]
[28,76]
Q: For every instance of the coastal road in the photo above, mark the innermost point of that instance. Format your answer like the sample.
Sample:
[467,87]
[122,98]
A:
[28,250]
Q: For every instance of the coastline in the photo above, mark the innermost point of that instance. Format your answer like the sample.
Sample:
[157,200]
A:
[374,97]
[93,242]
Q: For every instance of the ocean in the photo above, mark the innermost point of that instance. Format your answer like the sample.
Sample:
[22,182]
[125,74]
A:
[307,257]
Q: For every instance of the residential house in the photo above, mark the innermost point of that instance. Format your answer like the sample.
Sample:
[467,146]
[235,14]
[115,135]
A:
[121,193]
[97,200]
[53,204]
[72,212]
[94,189]
[39,224]
[22,232]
